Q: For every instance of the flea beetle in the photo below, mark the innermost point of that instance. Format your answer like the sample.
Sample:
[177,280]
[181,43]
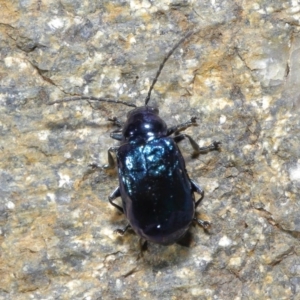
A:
[157,193]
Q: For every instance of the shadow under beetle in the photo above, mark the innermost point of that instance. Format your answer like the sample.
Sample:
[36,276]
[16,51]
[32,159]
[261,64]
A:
[156,191]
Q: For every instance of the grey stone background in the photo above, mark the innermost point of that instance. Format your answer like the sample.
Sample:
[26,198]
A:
[239,74]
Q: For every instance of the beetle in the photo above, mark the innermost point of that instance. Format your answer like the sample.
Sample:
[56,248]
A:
[157,193]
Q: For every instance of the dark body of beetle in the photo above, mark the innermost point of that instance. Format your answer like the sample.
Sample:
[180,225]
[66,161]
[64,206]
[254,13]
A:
[156,191]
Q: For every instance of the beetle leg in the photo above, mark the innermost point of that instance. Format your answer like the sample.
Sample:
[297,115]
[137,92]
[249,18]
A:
[197,149]
[202,223]
[213,146]
[111,161]
[122,231]
[116,135]
[115,194]
[143,247]
[181,127]
[116,121]
[197,189]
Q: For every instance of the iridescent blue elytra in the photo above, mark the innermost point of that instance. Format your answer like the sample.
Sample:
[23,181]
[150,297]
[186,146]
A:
[156,191]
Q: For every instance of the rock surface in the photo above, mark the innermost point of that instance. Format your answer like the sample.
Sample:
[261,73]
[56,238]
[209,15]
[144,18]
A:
[239,74]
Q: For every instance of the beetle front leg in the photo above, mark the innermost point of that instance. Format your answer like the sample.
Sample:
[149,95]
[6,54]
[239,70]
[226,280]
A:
[197,149]
[181,127]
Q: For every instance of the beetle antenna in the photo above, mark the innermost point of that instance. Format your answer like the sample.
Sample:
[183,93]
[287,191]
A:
[163,63]
[90,98]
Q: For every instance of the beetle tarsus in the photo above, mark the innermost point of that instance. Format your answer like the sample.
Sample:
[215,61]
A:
[202,223]
[122,231]
[116,135]
[217,145]
[116,121]
[95,166]
[213,146]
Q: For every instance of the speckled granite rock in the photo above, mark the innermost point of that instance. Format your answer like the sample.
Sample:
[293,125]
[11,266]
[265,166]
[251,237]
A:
[238,74]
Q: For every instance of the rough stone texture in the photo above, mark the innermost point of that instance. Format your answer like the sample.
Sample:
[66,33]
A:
[239,74]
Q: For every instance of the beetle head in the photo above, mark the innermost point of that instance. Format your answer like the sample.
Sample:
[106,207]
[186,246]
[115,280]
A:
[144,122]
